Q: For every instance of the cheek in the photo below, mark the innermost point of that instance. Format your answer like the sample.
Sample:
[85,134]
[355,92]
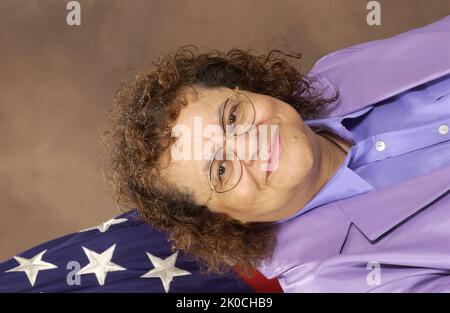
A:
[247,192]
[243,198]
[266,110]
[298,154]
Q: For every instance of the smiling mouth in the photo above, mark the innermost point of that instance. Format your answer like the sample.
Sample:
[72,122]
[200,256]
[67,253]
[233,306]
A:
[268,174]
[275,147]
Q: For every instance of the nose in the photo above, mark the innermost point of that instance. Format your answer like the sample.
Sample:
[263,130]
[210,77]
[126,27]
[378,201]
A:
[252,149]
[244,146]
[248,162]
[258,145]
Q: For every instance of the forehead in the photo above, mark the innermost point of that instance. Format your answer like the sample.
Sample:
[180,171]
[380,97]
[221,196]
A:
[205,104]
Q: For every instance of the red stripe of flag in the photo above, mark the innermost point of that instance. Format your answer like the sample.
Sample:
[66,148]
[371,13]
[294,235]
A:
[260,283]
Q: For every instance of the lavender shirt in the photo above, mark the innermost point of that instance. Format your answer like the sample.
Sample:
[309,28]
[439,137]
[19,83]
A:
[395,140]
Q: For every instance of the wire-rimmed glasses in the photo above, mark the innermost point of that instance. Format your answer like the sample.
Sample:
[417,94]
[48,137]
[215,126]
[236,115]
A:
[237,118]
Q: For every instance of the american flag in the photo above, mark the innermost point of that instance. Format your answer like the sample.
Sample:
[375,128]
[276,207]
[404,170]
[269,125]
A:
[119,255]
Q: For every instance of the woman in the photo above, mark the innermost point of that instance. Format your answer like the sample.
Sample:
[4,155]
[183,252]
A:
[231,228]
[229,211]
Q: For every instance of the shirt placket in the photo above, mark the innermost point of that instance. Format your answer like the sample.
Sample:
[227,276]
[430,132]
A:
[395,143]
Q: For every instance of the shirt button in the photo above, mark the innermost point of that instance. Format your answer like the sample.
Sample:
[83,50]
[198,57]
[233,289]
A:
[379,145]
[443,129]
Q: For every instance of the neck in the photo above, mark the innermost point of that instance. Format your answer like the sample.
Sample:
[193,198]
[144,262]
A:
[333,152]
[329,158]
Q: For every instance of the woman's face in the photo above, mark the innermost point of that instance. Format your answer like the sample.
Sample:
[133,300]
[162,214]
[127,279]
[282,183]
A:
[257,196]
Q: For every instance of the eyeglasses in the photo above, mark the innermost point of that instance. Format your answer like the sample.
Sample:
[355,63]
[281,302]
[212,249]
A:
[237,118]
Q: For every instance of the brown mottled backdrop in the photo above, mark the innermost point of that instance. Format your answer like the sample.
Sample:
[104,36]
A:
[57,81]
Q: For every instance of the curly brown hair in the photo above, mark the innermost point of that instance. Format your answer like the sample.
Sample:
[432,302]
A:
[139,131]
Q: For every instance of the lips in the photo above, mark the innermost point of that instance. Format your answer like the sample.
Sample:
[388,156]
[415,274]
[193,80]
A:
[268,174]
[274,154]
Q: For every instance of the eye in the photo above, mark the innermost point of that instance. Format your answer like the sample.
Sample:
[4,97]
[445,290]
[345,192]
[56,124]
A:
[233,116]
[221,171]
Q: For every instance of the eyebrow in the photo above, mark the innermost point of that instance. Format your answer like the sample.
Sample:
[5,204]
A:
[219,113]
[206,169]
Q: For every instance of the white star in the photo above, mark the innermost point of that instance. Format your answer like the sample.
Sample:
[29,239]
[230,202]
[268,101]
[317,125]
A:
[100,264]
[164,269]
[32,266]
[105,226]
